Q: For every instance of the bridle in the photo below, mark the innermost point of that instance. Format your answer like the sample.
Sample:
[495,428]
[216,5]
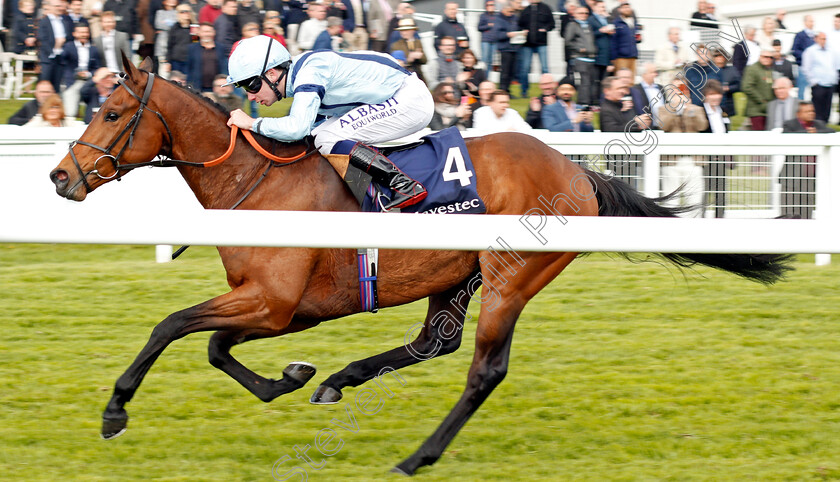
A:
[162,161]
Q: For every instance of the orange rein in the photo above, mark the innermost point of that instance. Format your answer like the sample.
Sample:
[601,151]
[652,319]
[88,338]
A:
[254,144]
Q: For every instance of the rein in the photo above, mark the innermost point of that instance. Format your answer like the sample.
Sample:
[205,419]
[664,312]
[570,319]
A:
[165,162]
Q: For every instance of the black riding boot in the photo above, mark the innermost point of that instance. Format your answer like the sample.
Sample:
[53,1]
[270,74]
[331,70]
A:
[406,191]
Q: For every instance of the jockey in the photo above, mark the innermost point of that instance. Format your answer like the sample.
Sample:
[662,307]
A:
[347,101]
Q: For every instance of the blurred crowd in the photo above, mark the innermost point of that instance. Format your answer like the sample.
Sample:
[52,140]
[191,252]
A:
[79,47]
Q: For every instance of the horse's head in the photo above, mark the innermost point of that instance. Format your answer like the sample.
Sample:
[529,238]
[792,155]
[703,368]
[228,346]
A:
[127,130]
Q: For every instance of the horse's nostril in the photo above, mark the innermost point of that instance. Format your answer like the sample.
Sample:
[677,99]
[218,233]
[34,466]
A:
[59,176]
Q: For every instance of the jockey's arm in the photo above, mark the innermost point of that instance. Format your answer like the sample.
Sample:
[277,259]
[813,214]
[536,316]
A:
[294,126]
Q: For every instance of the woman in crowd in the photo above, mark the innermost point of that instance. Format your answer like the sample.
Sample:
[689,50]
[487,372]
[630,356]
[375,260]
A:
[469,78]
[165,18]
[448,110]
[51,114]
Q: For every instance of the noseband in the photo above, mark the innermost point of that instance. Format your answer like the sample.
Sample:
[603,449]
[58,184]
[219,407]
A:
[129,128]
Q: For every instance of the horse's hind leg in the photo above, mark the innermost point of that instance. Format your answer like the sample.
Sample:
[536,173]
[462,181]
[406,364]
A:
[441,335]
[294,376]
[244,308]
[492,347]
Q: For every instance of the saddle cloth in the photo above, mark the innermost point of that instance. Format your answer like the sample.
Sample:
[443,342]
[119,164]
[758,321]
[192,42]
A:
[442,165]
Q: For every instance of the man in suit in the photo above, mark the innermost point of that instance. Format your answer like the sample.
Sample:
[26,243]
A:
[802,41]
[355,31]
[80,59]
[617,108]
[54,29]
[715,166]
[96,91]
[671,57]
[797,178]
[111,43]
[783,108]
[647,94]
[564,115]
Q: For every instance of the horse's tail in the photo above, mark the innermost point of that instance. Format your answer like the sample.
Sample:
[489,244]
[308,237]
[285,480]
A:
[617,198]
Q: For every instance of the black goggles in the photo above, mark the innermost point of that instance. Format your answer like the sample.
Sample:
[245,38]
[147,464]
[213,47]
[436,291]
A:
[252,85]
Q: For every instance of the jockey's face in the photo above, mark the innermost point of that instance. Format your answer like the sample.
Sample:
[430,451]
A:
[265,95]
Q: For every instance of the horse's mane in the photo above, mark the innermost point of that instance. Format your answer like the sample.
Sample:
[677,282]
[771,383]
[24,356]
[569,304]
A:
[189,89]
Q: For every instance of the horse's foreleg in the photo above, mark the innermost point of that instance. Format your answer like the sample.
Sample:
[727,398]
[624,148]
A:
[294,376]
[441,335]
[241,309]
[501,306]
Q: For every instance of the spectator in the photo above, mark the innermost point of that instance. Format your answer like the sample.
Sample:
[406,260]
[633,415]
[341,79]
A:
[165,18]
[53,31]
[24,29]
[671,57]
[581,43]
[749,51]
[415,58]
[178,77]
[833,39]
[564,115]
[274,31]
[679,115]
[820,67]
[715,168]
[448,66]
[485,90]
[223,94]
[51,114]
[701,16]
[227,30]
[448,110]
[757,85]
[210,12]
[497,116]
[506,28]
[623,52]
[125,15]
[179,39]
[698,73]
[783,108]
[43,90]
[111,43]
[310,29]
[780,64]
[617,109]
[195,6]
[355,32]
[803,40]
[449,27]
[404,10]
[797,177]
[730,82]
[250,29]
[548,88]
[536,20]
[74,12]
[625,77]
[80,60]
[780,18]
[380,13]
[487,27]
[603,30]
[765,37]
[325,38]
[469,77]
[647,95]
[248,12]
[205,60]
[96,91]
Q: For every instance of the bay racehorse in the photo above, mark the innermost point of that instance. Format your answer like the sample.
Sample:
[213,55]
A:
[279,291]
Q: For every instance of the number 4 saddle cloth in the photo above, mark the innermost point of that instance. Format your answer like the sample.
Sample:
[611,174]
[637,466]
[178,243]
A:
[441,163]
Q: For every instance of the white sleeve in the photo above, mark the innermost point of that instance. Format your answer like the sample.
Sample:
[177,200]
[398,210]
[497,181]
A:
[297,124]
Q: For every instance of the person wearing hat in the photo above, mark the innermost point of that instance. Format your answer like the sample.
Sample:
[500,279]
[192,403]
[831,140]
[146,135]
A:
[360,98]
[409,45]
[324,41]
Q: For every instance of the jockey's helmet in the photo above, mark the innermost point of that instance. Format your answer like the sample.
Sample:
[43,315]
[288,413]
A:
[251,57]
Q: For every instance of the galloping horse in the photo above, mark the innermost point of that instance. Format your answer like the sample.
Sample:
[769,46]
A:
[279,291]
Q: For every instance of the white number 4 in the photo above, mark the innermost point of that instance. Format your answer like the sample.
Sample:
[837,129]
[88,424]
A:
[460,173]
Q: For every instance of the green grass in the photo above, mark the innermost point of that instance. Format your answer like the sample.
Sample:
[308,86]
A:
[618,371]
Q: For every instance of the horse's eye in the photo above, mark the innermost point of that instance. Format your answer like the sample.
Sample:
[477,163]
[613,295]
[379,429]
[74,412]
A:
[111,117]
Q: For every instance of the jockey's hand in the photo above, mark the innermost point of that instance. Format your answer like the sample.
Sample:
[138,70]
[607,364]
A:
[240,119]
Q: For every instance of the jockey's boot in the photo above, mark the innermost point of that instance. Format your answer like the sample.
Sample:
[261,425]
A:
[406,191]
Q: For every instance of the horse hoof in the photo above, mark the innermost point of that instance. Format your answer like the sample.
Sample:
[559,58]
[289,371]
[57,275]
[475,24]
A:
[113,428]
[301,372]
[325,395]
[401,471]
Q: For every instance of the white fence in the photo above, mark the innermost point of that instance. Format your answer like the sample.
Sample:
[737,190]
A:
[154,205]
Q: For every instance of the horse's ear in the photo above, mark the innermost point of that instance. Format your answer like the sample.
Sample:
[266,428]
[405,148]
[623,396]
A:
[147,64]
[130,70]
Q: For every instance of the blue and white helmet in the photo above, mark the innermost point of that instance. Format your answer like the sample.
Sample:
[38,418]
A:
[253,56]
